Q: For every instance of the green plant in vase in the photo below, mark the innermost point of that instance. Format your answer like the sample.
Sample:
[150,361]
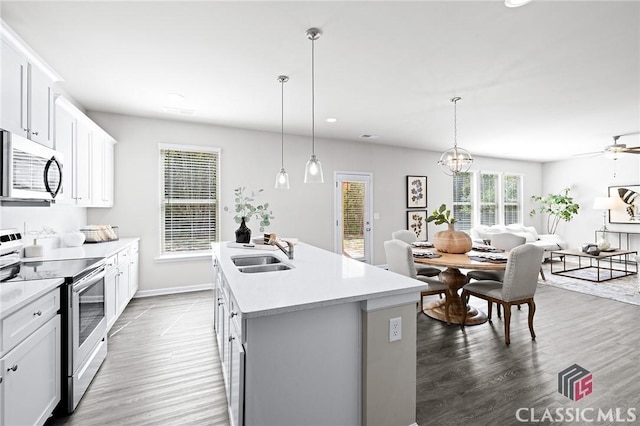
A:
[245,208]
[557,206]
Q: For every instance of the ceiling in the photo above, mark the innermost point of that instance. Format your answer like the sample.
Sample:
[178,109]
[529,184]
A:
[541,82]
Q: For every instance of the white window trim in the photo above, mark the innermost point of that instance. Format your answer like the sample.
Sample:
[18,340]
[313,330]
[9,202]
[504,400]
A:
[475,195]
[194,255]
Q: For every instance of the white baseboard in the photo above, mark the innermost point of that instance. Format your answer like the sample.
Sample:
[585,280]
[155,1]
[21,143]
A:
[173,290]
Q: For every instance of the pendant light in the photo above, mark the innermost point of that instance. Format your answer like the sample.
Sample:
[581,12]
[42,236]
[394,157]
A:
[282,178]
[455,160]
[313,169]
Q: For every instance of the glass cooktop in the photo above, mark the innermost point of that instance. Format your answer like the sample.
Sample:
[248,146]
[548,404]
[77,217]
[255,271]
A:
[70,270]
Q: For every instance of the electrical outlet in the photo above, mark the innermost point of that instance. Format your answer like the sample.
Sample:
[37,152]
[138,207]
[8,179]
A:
[395,329]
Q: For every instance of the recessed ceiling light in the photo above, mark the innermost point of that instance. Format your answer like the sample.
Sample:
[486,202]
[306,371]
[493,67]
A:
[175,97]
[369,136]
[331,120]
[515,3]
[174,110]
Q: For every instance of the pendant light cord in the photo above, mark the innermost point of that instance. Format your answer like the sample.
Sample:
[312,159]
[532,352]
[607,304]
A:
[282,123]
[455,125]
[313,100]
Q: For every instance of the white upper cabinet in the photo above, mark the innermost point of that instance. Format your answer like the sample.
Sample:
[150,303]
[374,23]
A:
[88,153]
[27,90]
[102,175]
[13,73]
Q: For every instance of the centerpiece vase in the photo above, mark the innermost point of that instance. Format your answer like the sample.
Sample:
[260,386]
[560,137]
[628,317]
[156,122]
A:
[243,233]
[452,241]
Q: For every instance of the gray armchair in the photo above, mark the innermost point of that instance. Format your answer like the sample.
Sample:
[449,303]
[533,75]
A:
[410,237]
[400,260]
[519,285]
[502,241]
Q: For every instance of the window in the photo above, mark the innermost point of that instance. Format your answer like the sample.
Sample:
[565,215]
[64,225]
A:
[488,199]
[189,198]
[512,205]
[485,198]
[462,201]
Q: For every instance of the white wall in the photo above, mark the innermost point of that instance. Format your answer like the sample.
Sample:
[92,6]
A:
[252,159]
[589,178]
[60,218]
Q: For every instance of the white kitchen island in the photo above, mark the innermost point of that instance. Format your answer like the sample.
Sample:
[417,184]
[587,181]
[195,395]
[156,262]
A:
[310,345]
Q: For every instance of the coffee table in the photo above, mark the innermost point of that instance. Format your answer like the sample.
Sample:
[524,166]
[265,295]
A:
[608,265]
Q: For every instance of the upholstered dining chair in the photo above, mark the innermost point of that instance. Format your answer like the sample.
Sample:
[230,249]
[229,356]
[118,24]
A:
[400,260]
[518,286]
[410,237]
[503,241]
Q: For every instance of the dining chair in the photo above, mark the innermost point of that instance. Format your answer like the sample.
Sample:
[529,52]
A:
[410,237]
[503,241]
[400,260]
[518,287]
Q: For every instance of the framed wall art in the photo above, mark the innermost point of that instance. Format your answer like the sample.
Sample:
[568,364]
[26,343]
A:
[628,199]
[416,192]
[417,222]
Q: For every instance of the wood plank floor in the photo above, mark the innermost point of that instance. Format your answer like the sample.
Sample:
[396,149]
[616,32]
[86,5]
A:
[163,367]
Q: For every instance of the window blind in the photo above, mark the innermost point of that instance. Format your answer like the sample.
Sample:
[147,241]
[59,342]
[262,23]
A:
[189,200]
[512,196]
[462,206]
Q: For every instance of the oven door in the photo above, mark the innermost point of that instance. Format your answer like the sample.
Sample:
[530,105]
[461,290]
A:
[89,324]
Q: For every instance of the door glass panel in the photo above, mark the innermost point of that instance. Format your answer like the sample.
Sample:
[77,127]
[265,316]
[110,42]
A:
[353,214]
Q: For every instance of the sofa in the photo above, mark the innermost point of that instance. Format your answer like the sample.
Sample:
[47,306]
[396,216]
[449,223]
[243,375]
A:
[548,242]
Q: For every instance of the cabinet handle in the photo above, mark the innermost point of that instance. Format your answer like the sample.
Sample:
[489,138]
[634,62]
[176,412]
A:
[231,338]
[37,313]
[0,379]
[26,130]
[14,368]
[34,133]
[233,314]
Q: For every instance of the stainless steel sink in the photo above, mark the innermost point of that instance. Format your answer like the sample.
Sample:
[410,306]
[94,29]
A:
[252,269]
[262,259]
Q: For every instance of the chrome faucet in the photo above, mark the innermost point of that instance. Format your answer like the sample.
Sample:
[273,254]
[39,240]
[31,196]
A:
[288,252]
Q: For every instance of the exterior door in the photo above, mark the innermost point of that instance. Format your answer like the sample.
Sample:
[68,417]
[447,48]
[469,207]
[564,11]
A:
[353,207]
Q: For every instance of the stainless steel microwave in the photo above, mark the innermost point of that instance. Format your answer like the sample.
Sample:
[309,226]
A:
[30,171]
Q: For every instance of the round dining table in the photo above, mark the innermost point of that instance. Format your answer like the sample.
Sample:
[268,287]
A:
[455,279]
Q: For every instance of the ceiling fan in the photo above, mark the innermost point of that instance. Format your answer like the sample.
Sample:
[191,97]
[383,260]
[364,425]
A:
[615,150]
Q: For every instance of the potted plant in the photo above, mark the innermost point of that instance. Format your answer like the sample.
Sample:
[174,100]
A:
[557,206]
[449,241]
[245,209]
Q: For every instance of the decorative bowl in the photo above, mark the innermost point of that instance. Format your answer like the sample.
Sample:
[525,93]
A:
[73,239]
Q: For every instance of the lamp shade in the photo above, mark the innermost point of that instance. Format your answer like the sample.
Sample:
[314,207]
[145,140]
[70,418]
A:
[604,203]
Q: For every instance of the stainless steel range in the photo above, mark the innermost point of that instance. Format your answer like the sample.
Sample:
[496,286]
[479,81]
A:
[84,337]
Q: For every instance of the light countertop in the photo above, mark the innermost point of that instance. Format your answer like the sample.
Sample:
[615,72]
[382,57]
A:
[318,278]
[15,295]
[86,250]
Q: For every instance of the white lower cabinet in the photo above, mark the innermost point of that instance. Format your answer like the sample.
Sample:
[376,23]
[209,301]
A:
[30,372]
[121,281]
[230,346]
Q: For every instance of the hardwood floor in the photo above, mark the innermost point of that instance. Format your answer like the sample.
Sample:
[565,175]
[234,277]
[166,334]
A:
[163,367]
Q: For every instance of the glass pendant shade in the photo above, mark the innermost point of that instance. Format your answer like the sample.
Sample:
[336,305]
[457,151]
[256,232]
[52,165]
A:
[455,160]
[313,171]
[282,179]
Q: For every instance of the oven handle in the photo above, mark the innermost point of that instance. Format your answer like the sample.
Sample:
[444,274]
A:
[89,280]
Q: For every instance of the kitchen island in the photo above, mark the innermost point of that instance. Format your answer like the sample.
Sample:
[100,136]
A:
[311,344]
